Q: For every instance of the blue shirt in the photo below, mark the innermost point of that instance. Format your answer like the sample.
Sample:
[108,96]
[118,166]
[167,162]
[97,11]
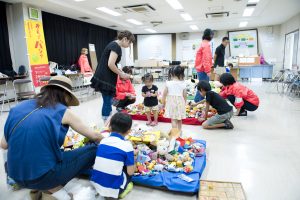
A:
[34,146]
[113,154]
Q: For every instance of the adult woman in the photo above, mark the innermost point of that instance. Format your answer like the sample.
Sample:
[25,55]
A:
[203,62]
[125,91]
[83,61]
[35,131]
[105,77]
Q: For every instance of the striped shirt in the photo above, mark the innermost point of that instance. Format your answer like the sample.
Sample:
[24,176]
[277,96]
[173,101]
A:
[113,154]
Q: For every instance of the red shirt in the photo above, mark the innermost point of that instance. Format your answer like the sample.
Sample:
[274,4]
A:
[203,60]
[123,87]
[241,93]
[83,62]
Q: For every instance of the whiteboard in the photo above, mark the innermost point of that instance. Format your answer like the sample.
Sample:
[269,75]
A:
[243,43]
[154,47]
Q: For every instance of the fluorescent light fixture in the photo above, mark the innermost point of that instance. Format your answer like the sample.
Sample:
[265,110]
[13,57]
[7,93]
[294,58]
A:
[186,17]
[253,1]
[108,11]
[150,30]
[175,4]
[248,12]
[243,24]
[194,27]
[79,0]
[133,21]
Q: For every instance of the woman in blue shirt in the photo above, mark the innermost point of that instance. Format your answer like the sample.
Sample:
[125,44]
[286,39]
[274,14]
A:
[34,133]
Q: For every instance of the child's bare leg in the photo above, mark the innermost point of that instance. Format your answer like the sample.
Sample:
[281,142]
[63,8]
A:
[174,123]
[148,114]
[179,125]
[155,113]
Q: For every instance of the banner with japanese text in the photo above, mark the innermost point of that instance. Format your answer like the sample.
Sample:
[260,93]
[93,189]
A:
[37,51]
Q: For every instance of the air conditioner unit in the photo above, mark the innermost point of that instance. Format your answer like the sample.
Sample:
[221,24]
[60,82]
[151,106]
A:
[184,36]
[217,15]
[141,8]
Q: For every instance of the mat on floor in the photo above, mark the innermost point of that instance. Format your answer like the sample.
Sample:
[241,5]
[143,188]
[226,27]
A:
[221,190]
[171,181]
[187,121]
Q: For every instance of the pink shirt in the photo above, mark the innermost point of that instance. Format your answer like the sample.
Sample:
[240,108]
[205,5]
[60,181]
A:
[203,60]
[83,62]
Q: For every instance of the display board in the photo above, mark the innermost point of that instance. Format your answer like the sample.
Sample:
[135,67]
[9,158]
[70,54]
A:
[243,43]
[158,46]
[93,56]
[37,51]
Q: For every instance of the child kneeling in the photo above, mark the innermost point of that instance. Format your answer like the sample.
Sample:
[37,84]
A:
[224,110]
[114,164]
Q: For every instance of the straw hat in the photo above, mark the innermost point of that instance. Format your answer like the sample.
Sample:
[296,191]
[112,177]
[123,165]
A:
[66,84]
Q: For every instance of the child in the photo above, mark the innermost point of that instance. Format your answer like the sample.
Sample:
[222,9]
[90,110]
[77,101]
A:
[174,97]
[150,92]
[239,95]
[114,164]
[125,94]
[224,110]
[83,61]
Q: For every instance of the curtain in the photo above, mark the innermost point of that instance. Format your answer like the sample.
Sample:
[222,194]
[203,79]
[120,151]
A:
[66,37]
[5,57]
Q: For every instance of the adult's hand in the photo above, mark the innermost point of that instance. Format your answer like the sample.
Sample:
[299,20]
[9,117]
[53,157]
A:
[125,76]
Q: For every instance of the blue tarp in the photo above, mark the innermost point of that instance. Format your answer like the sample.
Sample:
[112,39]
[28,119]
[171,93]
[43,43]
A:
[171,181]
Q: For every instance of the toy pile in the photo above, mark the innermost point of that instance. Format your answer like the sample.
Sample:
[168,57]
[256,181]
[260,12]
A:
[198,111]
[156,154]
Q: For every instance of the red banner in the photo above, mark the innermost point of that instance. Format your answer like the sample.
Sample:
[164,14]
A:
[39,71]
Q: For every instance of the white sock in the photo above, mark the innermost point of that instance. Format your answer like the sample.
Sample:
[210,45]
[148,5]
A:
[61,195]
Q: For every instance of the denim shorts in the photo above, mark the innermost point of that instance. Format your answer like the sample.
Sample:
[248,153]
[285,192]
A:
[218,119]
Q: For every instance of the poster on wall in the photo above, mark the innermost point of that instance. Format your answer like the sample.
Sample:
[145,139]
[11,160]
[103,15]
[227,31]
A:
[37,51]
[243,43]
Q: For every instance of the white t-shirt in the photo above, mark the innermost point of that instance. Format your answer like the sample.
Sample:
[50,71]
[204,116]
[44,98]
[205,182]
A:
[175,88]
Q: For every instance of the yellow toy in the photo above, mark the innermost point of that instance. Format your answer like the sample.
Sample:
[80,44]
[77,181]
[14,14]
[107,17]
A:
[179,163]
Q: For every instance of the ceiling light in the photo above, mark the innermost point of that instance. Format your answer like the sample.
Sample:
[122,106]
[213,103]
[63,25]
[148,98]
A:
[79,0]
[150,30]
[194,27]
[243,24]
[186,17]
[175,4]
[108,11]
[133,21]
[253,1]
[248,12]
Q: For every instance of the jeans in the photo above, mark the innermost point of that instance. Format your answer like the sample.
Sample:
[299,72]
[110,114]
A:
[72,165]
[107,105]
[202,76]
[247,105]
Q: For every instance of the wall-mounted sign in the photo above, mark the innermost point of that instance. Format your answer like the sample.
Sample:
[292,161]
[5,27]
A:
[33,13]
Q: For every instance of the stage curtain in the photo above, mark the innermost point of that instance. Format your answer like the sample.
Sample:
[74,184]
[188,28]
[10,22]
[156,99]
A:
[65,37]
[5,57]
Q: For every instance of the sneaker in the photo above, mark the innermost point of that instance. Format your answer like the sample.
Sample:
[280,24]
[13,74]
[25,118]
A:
[154,123]
[228,124]
[243,113]
[126,191]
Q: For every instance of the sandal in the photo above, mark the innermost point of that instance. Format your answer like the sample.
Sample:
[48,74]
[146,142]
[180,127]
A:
[148,123]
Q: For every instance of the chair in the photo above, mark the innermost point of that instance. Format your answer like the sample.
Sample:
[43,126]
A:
[3,94]
[26,94]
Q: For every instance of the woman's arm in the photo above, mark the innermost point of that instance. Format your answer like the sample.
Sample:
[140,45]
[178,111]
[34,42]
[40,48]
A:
[3,144]
[113,56]
[77,124]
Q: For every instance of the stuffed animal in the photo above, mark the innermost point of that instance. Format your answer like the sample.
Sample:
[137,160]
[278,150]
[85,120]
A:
[163,149]
[158,167]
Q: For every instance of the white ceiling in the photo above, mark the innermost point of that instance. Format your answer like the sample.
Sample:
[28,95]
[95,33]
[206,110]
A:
[267,12]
